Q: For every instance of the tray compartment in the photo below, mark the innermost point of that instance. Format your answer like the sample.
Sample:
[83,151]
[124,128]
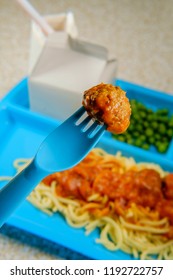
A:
[151,99]
[20,136]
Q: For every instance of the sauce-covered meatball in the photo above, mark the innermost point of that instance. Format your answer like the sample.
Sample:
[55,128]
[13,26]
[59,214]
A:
[108,105]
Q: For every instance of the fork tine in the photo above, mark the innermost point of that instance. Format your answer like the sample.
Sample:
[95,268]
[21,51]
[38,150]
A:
[91,129]
[78,113]
[84,123]
[99,132]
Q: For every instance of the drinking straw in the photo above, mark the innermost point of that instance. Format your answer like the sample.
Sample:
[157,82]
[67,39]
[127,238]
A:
[32,12]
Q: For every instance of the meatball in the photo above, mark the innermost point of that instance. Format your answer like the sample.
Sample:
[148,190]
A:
[108,105]
[148,184]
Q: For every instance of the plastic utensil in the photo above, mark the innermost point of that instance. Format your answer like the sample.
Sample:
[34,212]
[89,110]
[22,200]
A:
[67,145]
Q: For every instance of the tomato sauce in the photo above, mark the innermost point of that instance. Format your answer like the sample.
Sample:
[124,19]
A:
[145,188]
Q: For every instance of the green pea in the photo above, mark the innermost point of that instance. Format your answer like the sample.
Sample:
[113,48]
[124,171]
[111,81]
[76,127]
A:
[136,117]
[162,147]
[149,132]
[154,117]
[162,129]
[154,125]
[121,138]
[163,119]
[138,142]
[132,121]
[130,128]
[143,115]
[151,140]
[130,141]
[139,127]
[143,137]
[136,134]
[150,117]
[128,136]
[145,124]
[157,136]
[165,139]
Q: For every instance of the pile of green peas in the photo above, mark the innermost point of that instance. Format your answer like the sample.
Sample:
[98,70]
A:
[148,127]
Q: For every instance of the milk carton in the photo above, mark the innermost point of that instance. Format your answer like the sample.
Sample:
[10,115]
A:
[59,22]
[64,69]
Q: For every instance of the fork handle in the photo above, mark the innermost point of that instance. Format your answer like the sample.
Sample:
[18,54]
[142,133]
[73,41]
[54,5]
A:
[15,192]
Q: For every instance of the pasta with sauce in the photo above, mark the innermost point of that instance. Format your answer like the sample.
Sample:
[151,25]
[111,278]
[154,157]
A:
[131,203]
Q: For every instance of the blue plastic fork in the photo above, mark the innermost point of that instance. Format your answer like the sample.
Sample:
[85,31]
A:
[66,146]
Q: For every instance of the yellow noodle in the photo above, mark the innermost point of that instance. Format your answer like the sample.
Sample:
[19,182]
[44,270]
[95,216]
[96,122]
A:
[143,228]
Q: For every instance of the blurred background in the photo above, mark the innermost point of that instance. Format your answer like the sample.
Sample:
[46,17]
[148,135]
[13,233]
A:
[138,33]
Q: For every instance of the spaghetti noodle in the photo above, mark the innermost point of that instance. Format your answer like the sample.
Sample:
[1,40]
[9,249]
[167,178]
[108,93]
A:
[129,202]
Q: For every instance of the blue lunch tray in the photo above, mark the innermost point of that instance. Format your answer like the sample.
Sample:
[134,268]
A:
[22,131]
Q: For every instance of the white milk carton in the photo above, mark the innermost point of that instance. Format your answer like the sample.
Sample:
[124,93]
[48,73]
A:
[66,67]
[59,22]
